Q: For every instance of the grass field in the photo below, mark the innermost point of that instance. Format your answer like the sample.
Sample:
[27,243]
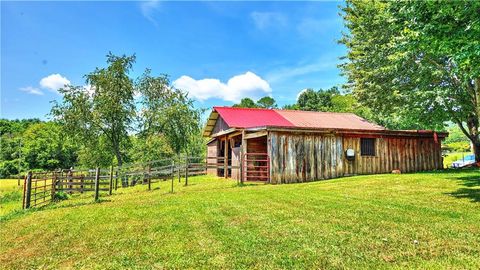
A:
[10,196]
[424,220]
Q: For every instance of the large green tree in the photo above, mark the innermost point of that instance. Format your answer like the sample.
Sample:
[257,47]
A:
[167,112]
[46,147]
[107,110]
[416,62]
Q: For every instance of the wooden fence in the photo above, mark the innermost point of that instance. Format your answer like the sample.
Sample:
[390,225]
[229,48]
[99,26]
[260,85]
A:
[40,188]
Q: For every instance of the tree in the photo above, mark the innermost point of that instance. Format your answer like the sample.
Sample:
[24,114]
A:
[246,103]
[416,61]
[150,148]
[267,103]
[264,102]
[107,112]
[168,112]
[46,148]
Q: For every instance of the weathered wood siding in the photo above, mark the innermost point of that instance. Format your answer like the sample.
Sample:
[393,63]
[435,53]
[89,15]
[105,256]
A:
[308,157]
[303,157]
[406,154]
[212,150]
[257,145]
[235,163]
[220,126]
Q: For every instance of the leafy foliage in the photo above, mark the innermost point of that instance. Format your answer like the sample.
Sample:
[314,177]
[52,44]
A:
[264,102]
[167,112]
[107,112]
[45,147]
[414,62]
[267,103]
[329,100]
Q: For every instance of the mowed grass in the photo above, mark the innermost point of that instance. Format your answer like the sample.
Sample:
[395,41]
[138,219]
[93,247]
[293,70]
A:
[423,220]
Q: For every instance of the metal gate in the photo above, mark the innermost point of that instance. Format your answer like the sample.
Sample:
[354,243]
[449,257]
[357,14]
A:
[256,167]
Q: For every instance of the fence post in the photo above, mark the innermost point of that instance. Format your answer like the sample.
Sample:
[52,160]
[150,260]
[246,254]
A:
[173,173]
[97,178]
[111,181]
[149,178]
[28,190]
[54,183]
[186,171]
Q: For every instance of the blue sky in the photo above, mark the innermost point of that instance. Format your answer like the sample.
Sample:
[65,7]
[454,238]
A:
[219,52]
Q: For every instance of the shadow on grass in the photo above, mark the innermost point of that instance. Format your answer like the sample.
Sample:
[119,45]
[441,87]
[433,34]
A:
[470,179]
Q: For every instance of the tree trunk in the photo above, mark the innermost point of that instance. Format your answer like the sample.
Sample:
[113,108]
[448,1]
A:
[476,150]
[473,126]
[118,155]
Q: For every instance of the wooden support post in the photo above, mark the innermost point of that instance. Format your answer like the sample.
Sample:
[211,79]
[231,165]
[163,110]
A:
[97,182]
[110,188]
[173,174]
[186,171]
[28,190]
[149,178]
[81,183]
[243,161]
[225,160]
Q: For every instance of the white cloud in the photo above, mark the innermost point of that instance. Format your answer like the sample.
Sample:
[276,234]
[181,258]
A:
[32,90]
[301,92]
[148,8]
[236,88]
[53,82]
[264,20]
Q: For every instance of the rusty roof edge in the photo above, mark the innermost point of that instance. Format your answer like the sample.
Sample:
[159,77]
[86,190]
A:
[343,131]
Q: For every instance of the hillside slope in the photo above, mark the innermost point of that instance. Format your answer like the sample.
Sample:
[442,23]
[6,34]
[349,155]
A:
[424,220]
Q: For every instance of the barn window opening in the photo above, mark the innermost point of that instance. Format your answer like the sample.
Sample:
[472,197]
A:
[367,146]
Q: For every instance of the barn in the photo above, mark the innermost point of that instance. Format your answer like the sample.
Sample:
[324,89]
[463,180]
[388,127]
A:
[287,146]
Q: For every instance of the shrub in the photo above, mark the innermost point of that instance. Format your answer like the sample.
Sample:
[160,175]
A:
[7,168]
[459,146]
[60,196]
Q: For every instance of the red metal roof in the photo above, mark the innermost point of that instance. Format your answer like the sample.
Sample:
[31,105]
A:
[327,120]
[249,118]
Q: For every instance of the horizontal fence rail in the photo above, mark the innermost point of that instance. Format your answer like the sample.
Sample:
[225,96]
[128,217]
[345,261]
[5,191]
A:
[40,188]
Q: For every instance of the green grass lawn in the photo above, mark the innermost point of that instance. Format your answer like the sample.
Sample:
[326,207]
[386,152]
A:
[10,196]
[424,220]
